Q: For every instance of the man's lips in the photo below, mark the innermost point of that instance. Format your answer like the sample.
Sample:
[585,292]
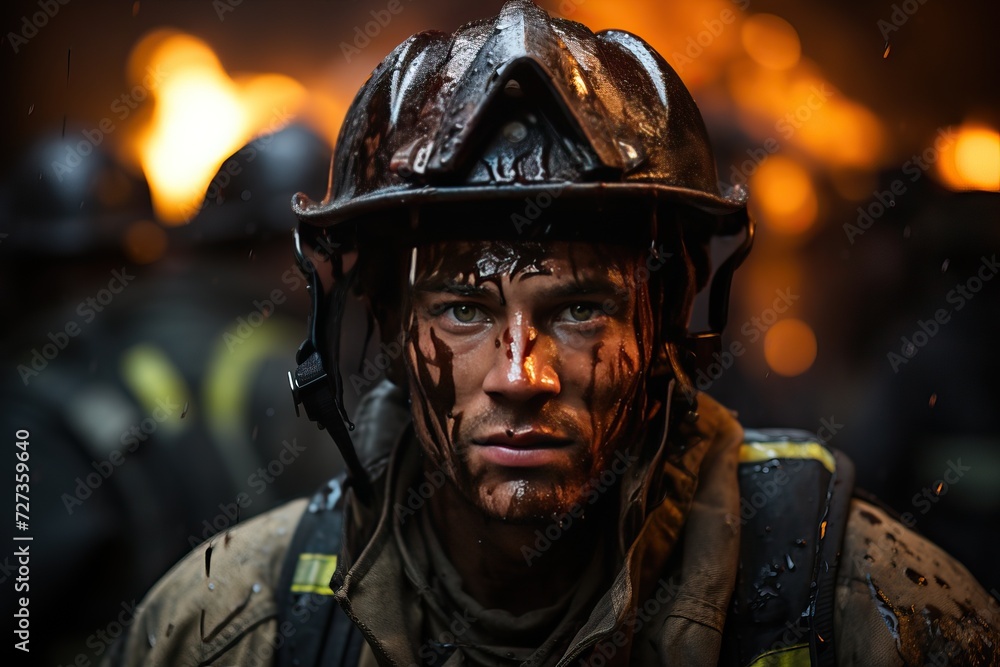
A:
[522,450]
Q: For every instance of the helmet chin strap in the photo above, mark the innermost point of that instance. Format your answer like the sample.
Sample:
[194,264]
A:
[312,386]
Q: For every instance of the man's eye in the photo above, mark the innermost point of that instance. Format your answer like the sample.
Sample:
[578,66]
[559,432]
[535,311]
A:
[581,312]
[465,313]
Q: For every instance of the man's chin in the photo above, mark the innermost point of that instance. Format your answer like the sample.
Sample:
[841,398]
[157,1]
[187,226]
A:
[526,502]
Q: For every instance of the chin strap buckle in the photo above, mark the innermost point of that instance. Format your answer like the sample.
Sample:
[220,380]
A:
[311,389]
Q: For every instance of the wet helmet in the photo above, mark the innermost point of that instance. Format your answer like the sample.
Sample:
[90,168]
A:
[524,112]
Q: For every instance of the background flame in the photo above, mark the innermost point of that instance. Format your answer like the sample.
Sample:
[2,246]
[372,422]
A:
[201,116]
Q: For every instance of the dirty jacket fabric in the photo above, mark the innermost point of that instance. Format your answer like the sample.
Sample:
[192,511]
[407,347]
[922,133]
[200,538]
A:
[899,599]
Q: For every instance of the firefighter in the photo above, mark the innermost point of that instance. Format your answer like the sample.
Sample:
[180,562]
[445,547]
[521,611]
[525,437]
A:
[526,209]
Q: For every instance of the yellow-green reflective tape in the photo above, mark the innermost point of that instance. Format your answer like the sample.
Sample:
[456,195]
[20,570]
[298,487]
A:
[752,452]
[313,573]
[153,377]
[792,656]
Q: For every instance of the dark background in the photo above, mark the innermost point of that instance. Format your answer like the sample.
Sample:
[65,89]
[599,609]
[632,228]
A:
[174,334]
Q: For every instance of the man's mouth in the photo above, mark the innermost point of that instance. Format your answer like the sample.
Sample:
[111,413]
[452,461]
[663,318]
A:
[524,449]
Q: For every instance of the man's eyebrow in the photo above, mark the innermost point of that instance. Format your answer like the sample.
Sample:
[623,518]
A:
[584,287]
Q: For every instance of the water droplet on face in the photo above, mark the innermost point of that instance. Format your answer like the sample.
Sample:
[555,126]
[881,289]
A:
[256,588]
[211,586]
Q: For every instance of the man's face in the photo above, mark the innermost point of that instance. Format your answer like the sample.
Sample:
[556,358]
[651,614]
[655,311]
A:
[524,364]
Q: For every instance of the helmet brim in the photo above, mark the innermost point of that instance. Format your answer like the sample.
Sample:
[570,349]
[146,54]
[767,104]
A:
[731,213]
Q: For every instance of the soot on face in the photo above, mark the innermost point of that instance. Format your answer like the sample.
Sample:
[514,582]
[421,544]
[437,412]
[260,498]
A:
[595,407]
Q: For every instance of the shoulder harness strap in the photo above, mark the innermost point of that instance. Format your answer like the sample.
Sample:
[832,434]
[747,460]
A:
[312,628]
[794,499]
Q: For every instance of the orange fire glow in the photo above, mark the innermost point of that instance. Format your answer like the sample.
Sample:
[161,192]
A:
[790,347]
[201,116]
[972,162]
[771,41]
[784,195]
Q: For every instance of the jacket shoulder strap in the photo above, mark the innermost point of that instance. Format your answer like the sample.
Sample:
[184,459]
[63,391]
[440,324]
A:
[795,495]
[312,628]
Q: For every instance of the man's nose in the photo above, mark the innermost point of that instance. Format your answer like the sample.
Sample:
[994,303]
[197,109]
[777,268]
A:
[524,366]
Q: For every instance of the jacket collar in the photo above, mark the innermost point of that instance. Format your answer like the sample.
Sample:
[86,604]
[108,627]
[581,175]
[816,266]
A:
[687,489]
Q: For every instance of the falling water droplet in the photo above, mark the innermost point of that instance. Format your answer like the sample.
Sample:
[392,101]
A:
[944,265]
[885,53]
[932,401]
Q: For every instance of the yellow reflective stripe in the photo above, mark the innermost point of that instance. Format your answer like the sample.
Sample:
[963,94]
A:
[753,452]
[227,387]
[153,377]
[791,656]
[313,573]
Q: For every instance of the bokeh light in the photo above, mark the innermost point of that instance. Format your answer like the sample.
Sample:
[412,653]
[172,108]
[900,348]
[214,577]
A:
[790,347]
[972,161]
[771,41]
[784,195]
